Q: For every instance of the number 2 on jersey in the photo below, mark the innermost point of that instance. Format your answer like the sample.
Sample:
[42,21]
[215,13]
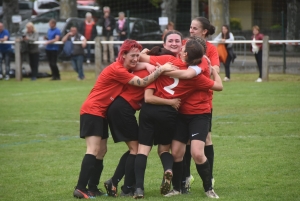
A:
[170,88]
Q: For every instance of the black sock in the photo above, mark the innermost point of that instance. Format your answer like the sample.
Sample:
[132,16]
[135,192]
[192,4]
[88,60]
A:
[87,165]
[183,172]
[140,168]
[129,180]
[209,153]
[167,160]
[187,157]
[95,175]
[120,170]
[177,174]
[204,172]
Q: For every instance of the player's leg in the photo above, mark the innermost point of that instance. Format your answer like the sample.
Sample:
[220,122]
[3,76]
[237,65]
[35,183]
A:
[167,162]
[209,148]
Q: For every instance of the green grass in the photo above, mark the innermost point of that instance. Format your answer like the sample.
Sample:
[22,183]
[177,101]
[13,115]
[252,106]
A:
[256,135]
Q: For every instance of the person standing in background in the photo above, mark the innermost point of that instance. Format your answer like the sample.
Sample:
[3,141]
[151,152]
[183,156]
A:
[108,23]
[223,37]
[53,35]
[5,50]
[78,50]
[89,31]
[121,27]
[30,36]
[257,50]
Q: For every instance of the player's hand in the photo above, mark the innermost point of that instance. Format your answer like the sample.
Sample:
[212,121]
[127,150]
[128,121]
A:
[175,103]
[145,51]
[150,68]
[167,66]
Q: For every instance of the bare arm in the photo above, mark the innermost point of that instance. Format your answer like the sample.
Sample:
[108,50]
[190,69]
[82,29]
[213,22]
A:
[65,38]
[57,37]
[144,65]
[218,86]
[155,100]
[183,74]
[217,68]
[142,82]
[5,38]
[83,43]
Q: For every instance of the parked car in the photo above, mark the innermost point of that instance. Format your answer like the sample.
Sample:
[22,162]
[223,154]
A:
[42,26]
[42,6]
[87,2]
[54,13]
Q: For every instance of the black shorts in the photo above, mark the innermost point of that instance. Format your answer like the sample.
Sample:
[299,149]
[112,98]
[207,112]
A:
[92,125]
[122,121]
[210,121]
[191,127]
[157,124]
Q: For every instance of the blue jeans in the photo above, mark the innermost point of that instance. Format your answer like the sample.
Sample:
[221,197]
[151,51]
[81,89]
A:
[77,62]
[88,48]
[6,57]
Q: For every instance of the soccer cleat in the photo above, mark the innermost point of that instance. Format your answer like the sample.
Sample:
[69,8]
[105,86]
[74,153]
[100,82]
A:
[138,193]
[110,188]
[122,194]
[96,192]
[166,184]
[184,190]
[258,80]
[188,182]
[211,194]
[172,193]
[82,194]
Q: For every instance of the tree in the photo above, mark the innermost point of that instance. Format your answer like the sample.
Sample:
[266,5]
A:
[218,14]
[293,22]
[68,8]
[168,9]
[10,8]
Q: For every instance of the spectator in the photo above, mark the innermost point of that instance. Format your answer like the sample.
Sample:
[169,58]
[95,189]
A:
[30,36]
[223,37]
[53,35]
[108,23]
[5,50]
[89,31]
[121,27]
[170,27]
[257,50]
[78,50]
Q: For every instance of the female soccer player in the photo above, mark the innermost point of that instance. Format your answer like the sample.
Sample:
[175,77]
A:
[124,128]
[157,122]
[93,125]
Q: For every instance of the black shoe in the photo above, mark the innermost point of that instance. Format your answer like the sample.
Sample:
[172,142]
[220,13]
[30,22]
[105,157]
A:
[81,194]
[166,184]
[110,188]
[96,192]
[138,193]
[184,190]
[122,194]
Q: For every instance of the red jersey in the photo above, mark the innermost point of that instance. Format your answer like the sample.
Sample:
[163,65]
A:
[199,101]
[108,86]
[135,95]
[168,87]
[212,54]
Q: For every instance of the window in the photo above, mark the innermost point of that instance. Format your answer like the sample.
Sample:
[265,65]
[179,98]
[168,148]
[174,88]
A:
[48,5]
[151,26]
[25,5]
[50,15]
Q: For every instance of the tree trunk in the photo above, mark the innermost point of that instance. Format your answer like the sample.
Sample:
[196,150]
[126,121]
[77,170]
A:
[194,9]
[168,9]
[218,14]
[68,8]
[10,8]
[293,22]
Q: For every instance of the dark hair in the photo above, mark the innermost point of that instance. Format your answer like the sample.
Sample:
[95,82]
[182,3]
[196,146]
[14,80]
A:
[126,47]
[228,31]
[172,32]
[158,51]
[194,52]
[206,25]
[201,41]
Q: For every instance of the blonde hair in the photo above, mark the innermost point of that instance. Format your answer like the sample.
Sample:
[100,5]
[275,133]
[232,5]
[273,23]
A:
[30,24]
[256,27]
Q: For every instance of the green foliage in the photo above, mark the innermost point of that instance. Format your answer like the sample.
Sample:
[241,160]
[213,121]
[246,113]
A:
[156,3]
[235,24]
[276,27]
[256,135]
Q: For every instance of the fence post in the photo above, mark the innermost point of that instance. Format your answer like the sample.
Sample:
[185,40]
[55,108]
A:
[98,57]
[265,59]
[18,58]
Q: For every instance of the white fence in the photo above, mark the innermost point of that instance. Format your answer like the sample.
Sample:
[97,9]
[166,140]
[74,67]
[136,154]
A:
[98,59]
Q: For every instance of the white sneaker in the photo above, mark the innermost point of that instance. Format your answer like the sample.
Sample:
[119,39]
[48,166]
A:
[226,79]
[6,77]
[258,80]
[211,194]
[172,193]
[1,76]
[88,61]
[188,182]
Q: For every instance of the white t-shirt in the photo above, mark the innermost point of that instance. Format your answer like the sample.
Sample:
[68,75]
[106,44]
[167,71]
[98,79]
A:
[81,38]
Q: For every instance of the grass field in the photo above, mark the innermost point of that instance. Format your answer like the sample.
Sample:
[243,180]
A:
[256,134]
